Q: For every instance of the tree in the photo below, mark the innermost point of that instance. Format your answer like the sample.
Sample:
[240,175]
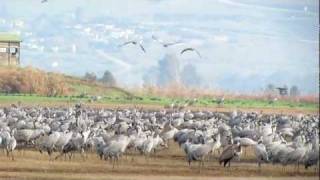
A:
[168,68]
[108,79]
[150,76]
[90,76]
[190,76]
[294,91]
[270,89]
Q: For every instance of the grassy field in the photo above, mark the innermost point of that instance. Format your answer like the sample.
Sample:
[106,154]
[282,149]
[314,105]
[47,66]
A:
[169,164]
[116,98]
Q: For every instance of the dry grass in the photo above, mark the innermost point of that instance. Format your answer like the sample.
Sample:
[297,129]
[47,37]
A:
[169,163]
[31,81]
[178,90]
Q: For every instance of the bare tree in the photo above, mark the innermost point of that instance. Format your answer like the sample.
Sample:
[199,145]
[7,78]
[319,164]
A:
[294,91]
[168,70]
[270,89]
[190,76]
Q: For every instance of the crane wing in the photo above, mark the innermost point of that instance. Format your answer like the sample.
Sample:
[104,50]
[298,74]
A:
[198,53]
[142,48]
[157,39]
[191,49]
[186,49]
[126,43]
[171,44]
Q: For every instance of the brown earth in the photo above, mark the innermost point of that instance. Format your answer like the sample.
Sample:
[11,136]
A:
[166,164]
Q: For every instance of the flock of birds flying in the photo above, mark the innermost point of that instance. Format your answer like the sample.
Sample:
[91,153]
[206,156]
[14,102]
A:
[201,135]
[164,44]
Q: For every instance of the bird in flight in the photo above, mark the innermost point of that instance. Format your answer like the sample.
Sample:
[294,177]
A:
[163,43]
[134,43]
[44,1]
[190,49]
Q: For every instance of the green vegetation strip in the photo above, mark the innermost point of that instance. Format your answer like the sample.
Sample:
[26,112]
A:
[115,98]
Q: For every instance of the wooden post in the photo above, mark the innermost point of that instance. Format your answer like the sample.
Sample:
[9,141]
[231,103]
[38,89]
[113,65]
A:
[18,59]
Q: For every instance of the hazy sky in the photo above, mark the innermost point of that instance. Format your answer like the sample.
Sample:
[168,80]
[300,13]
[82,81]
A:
[245,44]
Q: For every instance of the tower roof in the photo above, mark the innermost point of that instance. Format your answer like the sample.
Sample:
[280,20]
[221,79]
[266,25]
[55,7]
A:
[9,37]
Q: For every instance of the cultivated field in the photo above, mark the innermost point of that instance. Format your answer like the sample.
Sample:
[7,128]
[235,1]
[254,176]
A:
[167,164]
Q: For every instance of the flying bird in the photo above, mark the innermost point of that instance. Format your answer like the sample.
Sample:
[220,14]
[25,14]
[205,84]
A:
[163,43]
[134,43]
[190,49]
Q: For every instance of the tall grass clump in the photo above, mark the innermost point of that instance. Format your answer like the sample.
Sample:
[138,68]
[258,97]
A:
[31,81]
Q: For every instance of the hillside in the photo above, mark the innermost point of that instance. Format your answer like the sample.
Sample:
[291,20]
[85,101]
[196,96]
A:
[79,87]
[31,81]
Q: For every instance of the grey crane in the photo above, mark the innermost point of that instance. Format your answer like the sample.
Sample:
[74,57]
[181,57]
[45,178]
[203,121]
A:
[75,144]
[200,152]
[113,153]
[295,157]
[134,43]
[261,153]
[64,138]
[245,142]
[311,158]
[11,144]
[281,155]
[28,135]
[229,153]
[47,142]
[100,146]
[165,44]
[115,148]
[191,49]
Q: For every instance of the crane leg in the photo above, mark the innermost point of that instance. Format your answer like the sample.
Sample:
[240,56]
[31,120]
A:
[225,163]
[245,152]
[12,155]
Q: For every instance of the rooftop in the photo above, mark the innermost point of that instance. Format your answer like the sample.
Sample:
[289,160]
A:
[9,37]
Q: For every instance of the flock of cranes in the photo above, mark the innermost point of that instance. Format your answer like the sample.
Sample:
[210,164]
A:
[202,135]
[164,44]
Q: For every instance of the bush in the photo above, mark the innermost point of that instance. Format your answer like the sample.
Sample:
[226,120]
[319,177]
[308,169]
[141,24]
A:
[31,81]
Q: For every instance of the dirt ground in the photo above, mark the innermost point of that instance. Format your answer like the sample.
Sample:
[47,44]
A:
[166,164]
